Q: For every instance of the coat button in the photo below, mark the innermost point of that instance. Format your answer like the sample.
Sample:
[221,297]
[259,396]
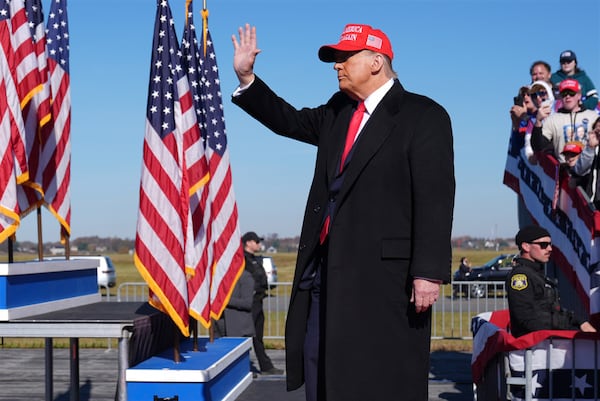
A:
[301,247]
[317,208]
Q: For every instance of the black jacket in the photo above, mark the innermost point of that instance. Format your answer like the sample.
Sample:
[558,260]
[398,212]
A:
[254,266]
[533,301]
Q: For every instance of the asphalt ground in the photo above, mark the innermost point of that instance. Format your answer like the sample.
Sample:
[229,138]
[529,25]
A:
[22,376]
[449,379]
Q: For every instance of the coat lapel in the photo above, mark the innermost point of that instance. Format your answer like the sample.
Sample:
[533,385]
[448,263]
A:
[374,133]
[338,141]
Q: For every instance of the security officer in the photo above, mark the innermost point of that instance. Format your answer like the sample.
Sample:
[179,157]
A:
[533,300]
[251,242]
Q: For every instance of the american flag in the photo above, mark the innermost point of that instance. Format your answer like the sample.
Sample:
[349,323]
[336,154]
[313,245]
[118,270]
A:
[25,73]
[228,253]
[11,126]
[171,129]
[55,158]
[37,114]
[199,253]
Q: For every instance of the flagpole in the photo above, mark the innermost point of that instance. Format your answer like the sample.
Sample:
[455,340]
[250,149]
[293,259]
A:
[39,232]
[176,356]
[11,257]
[194,333]
[204,14]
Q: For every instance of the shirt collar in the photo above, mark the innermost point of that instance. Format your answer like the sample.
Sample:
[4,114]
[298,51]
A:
[374,98]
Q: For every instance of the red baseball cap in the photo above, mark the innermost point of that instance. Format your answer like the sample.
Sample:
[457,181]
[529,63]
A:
[572,147]
[569,85]
[357,37]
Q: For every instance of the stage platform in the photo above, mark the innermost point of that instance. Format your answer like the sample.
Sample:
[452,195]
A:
[136,325]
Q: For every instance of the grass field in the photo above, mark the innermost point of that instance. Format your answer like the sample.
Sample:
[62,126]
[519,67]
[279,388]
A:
[285,262]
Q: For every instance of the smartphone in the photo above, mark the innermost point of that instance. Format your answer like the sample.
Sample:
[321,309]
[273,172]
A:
[547,102]
[518,101]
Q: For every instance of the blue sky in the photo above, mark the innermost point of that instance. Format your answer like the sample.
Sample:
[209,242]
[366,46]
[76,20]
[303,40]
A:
[471,56]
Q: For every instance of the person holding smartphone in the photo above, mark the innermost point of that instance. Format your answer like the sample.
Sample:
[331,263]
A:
[542,95]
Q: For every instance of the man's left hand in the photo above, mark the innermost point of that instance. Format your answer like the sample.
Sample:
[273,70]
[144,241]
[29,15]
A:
[424,294]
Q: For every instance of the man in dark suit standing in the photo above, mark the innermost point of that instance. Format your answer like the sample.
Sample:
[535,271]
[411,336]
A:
[375,242]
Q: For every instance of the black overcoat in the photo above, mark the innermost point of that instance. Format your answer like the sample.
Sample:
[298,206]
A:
[393,223]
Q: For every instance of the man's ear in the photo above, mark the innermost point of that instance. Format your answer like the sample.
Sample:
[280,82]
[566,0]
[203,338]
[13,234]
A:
[377,63]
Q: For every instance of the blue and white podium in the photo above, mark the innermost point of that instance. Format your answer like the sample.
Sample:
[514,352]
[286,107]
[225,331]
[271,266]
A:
[219,371]
[33,288]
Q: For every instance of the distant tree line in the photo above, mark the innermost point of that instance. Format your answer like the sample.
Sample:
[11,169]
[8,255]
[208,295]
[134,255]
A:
[81,245]
[97,244]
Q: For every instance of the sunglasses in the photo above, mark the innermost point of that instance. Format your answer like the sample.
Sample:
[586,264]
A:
[567,93]
[542,244]
[535,95]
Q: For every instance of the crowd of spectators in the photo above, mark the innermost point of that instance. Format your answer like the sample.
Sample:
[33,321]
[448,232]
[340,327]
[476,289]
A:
[559,114]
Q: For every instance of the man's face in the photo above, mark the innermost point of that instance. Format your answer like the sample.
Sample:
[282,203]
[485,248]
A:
[540,73]
[570,99]
[354,71]
[538,250]
[571,158]
[252,246]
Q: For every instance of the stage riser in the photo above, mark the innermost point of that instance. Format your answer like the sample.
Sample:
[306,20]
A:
[33,288]
[218,371]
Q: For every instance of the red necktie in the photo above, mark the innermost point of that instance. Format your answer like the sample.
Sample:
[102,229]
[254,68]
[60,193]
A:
[352,131]
[350,137]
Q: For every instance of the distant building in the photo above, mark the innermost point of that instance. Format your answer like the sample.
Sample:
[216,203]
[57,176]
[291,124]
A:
[57,250]
[490,244]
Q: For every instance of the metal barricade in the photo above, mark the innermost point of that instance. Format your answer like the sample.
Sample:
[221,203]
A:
[275,305]
[132,292]
[451,314]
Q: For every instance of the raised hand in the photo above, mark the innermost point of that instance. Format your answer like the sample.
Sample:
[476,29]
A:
[244,54]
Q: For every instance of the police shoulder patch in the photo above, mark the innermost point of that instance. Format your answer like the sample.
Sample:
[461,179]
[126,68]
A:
[518,282]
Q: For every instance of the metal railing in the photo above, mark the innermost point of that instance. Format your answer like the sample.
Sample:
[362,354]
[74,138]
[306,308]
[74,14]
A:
[460,301]
[132,292]
[451,314]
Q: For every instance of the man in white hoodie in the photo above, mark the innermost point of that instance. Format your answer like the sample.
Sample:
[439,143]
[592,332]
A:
[571,122]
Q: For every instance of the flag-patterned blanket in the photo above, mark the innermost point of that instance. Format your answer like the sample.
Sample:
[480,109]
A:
[564,362]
